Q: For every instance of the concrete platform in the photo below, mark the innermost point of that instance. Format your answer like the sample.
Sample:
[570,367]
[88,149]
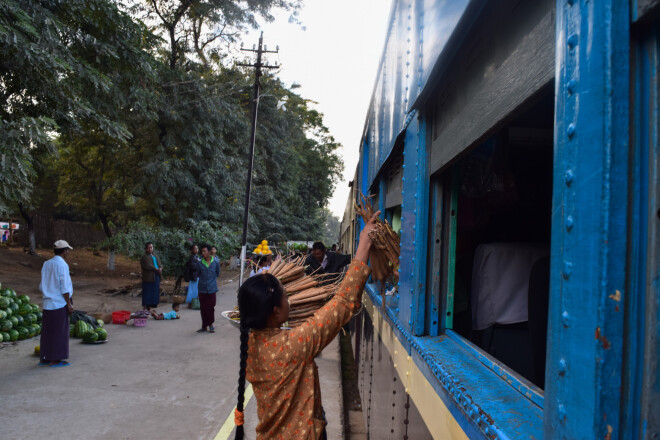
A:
[162,381]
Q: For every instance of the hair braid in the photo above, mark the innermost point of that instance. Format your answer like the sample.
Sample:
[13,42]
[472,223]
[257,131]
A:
[245,333]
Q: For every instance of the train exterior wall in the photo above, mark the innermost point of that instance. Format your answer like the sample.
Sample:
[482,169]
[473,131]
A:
[453,76]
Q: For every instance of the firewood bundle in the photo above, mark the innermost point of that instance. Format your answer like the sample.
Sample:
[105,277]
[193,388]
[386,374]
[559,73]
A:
[385,251]
[306,292]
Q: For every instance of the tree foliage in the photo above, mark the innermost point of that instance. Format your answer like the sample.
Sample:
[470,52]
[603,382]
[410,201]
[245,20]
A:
[172,245]
[138,119]
[48,50]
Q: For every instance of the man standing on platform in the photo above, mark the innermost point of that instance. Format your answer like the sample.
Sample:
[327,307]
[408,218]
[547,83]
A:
[209,270]
[57,290]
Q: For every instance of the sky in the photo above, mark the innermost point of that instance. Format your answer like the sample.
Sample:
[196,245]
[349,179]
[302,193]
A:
[333,54]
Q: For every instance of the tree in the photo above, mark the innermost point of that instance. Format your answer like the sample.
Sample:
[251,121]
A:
[196,27]
[44,82]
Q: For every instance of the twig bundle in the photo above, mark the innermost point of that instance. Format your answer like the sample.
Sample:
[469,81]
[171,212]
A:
[306,293]
[384,256]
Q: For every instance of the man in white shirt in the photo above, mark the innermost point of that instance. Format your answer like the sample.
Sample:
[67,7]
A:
[57,290]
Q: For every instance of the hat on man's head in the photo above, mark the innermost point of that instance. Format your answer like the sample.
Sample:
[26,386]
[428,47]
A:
[61,244]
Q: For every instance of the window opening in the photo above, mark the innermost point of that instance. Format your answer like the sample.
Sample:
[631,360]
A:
[498,242]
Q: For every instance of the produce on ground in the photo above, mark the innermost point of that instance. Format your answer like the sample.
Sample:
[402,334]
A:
[19,319]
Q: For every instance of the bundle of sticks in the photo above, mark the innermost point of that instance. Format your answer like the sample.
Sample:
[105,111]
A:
[306,292]
[384,255]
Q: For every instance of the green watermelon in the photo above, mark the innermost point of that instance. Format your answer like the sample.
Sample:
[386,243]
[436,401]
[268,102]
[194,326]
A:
[20,319]
[101,323]
[24,309]
[9,312]
[6,325]
[37,328]
[23,333]
[7,293]
[13,335]
[35,308]
[11,293]
[3,315]
[14,321]
[14,308]
[4,302]
[31,331]
[40,316]
[90,336]
[2,338]
[5,336]
[82,328]
[72,330]
[103,334]
[30,318]
[24,299]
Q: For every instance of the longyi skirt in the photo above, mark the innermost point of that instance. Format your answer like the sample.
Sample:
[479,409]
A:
[151,293]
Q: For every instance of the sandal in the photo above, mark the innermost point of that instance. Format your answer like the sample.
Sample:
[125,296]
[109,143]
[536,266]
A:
[212,329]
[61,364]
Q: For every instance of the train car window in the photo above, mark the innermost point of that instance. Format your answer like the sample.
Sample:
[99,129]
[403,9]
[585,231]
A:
[498,240]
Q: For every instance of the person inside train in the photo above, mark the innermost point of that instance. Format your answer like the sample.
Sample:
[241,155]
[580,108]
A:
[321,261]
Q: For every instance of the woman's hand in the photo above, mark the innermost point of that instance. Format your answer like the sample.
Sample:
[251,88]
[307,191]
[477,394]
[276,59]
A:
[364,245]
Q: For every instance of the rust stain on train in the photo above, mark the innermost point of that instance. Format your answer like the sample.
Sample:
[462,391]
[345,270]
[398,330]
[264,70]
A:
[603,340]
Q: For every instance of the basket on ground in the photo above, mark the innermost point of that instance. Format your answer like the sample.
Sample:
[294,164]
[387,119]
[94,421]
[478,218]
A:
[140,322]
[120,316]
[178,299]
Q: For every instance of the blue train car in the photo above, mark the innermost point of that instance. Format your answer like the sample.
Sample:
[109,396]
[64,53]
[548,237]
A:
[514,146]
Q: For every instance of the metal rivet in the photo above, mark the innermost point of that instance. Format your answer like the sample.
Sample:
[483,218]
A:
[568,270]
[403,179]
[570,131]
[562,412]
[565,318]
[571,86]
[569,222]
[568,178]
[397,310]
[562,366]
[572,41]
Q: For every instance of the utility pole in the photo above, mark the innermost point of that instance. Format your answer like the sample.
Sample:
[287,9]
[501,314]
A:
[255,105]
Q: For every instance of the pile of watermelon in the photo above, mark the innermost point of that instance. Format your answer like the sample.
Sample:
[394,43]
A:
[19,319]
[86,331]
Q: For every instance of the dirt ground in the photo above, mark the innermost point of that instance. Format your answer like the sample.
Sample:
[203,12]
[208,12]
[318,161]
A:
[93,283]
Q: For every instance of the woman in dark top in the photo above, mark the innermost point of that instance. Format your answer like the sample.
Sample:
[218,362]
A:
[151,273]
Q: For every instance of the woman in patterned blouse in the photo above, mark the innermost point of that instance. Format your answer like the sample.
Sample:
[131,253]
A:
[279,363]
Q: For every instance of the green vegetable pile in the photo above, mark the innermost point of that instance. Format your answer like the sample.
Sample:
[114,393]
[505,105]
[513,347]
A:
[19,319]
[85,327]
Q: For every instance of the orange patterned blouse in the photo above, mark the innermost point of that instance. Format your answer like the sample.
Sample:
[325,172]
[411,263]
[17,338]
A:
[282,370]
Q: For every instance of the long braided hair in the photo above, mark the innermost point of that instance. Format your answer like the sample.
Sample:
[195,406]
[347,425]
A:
[257,298]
